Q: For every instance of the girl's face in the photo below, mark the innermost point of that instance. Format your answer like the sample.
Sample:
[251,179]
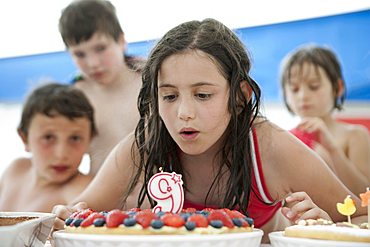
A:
[193,101]
[57,145]
[100,58]
[309,92]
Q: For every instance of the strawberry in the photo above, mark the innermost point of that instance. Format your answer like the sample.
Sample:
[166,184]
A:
[115,218]
[221,215]
[234,214]
[145,217]
[190,210]
[198,219]
[208,209]
[134,210]
[173,220]
[84,213]
[90,219]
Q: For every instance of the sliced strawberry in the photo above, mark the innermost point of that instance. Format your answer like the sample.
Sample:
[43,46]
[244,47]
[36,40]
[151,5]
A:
[145,217]
[208,209]
[134,209]
[173,220]
[198,219]
[84,213]
[90,219]
[190,210]
[115,218]
[234,214]
[221,215]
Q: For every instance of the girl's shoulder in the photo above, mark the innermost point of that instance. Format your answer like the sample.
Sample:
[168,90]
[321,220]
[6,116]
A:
[353,132]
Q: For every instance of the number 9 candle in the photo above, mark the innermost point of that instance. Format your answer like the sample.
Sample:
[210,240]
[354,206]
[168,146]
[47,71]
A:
[166,189]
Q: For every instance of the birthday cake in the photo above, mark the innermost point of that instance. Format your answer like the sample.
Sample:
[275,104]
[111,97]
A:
[146,222]
[327,230]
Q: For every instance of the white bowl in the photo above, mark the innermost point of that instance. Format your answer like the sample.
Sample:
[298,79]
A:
[250,239]
[27,233]
[278,239]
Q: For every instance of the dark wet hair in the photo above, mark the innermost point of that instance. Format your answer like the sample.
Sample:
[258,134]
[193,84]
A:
[55,99]
[320,57]
[82,18]
[156,146]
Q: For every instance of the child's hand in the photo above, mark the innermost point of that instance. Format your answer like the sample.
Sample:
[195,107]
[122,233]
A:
[317,127]
[303,209]
[62,213]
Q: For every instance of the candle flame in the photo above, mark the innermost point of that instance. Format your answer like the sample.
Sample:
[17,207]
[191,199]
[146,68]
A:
[160,168]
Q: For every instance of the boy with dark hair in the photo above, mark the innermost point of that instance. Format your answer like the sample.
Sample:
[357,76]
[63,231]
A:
[56,126]
[111,80]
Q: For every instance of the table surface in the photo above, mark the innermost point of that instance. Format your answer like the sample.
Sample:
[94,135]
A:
[47,244]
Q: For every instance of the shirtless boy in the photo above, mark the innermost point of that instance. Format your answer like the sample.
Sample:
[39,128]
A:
[111,80]
[56,127]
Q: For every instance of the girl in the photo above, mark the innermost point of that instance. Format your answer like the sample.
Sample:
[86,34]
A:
[313,88]
[199,117]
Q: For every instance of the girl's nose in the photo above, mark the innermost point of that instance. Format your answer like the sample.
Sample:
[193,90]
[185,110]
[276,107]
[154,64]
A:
[186,109]
[303,93]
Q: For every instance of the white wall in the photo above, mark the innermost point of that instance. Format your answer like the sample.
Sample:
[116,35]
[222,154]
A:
[31,27]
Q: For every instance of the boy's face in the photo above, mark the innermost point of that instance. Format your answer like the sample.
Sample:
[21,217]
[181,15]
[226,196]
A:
[100,58]
[57,145]
[310,92]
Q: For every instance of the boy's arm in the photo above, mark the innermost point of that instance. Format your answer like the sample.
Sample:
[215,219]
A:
[353,170]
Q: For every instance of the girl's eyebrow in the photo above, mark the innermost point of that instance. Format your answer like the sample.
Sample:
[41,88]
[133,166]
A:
[198,84]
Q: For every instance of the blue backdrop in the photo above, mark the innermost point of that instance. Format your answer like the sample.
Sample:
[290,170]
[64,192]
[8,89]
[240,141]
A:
[347,34]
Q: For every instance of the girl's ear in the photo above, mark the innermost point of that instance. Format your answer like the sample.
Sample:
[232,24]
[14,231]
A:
[24,140]
[246,89]
[122,42]
[341,87]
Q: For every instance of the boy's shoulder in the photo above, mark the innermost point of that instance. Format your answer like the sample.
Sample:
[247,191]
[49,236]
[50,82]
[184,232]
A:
[75,186]
[17,168]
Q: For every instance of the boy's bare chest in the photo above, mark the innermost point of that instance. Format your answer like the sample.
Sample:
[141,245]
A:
[27,199]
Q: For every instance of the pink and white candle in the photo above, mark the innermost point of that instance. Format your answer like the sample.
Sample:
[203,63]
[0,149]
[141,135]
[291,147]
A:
[166,189]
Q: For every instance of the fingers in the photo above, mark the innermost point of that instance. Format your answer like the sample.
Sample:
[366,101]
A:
[79,206]
[62,213]
[303,209]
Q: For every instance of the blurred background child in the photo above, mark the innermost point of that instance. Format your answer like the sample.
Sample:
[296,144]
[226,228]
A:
[94,38]
[313,89]
[56,127]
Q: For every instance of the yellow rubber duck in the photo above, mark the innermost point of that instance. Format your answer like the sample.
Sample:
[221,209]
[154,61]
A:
[348,208]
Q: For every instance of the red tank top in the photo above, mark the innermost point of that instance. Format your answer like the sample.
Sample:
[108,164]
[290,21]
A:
[260,212]
[306,138]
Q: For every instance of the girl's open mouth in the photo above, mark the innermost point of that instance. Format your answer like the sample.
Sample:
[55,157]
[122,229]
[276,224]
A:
[189,135]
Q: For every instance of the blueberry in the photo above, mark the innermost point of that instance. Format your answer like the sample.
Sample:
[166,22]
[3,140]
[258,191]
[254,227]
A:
[104,213]
[69,221]
[99,222]
[185,216]
[190,225]
[204,213]
[216,223]
[160,213]
[131,213]
[129,222]
[157,224]
[77,222]
[237,222]
[249,220]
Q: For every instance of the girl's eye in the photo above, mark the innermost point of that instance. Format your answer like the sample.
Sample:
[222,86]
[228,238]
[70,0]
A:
[203,96]
[170,97]
[314,87]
